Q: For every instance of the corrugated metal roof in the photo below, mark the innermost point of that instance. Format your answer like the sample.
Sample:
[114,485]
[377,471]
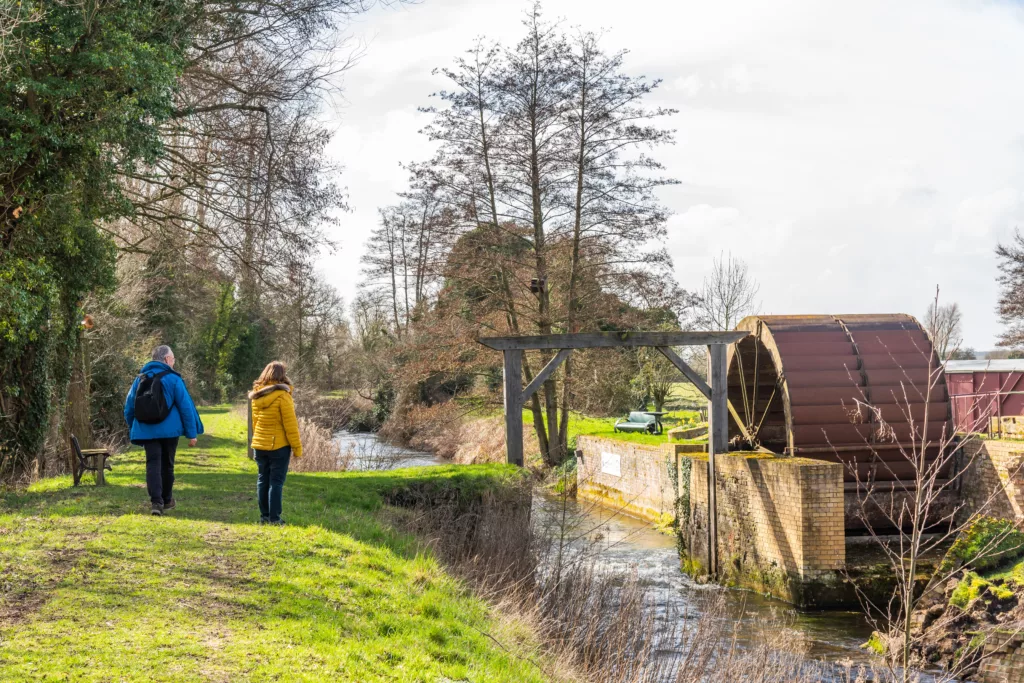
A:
[994,365]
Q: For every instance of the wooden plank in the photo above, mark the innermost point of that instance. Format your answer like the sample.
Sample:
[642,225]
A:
[689,372]
[545,373]
[592,340]
[513,371]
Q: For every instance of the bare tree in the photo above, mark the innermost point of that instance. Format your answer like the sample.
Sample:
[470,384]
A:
[727,295]
[542,159]
[404,255]
[243,174]
[943,323]
[12,16]
[1011,296]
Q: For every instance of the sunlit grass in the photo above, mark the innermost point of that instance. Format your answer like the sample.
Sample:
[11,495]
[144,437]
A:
[94,589]
[584,425]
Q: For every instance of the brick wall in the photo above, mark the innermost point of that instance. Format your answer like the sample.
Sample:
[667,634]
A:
[1004,664]
[993,483]
[775,514]
[627,476]
[780,519]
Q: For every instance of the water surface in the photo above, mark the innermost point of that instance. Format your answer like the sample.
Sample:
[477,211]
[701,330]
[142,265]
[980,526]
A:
[620,543]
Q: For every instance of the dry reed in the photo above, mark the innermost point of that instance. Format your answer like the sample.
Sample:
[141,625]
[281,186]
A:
[597,626]
[320,452]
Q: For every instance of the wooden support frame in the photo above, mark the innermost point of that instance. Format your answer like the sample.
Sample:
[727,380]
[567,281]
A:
[719,406]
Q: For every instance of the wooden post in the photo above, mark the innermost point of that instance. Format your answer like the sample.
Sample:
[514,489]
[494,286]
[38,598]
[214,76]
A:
[718,441]
[248,443]
[718,406]
[513,372]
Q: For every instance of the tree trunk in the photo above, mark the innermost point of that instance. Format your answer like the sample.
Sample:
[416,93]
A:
[78,419]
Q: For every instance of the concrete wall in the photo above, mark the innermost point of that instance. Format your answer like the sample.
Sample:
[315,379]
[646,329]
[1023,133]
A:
[632,477]
[993,483]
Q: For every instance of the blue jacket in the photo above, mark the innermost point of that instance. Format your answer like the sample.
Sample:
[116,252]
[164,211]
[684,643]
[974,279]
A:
[183,420]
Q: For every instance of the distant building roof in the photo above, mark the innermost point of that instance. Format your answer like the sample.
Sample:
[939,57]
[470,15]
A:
[994,365]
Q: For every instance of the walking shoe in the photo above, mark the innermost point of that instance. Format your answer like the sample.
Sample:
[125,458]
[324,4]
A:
[158,510]
[264,520]
[276,522]
[170,505]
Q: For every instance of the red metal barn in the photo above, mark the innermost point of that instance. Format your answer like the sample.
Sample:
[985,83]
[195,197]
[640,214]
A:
[984,389]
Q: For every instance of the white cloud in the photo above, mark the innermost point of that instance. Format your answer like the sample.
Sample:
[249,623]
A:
[689,85]
[871,149]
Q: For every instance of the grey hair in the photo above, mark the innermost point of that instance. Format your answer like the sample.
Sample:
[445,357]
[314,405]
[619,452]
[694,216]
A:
[161,352]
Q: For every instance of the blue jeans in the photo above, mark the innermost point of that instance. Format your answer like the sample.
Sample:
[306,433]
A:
[273,467]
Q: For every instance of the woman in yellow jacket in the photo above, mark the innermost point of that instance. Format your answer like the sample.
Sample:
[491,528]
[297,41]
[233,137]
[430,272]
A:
[275,437]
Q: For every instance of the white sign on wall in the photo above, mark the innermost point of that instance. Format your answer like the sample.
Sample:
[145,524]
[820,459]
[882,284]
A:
[611,464]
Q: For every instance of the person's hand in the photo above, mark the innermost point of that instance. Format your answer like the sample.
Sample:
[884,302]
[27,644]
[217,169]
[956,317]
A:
[192,442]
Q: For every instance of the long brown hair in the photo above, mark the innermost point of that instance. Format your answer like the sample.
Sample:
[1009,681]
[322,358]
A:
[274,373]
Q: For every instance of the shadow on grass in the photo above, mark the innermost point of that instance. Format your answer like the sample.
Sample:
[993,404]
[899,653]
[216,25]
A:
[342,502]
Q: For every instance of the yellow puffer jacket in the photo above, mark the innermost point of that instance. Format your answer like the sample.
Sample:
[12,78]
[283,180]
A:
[273,419]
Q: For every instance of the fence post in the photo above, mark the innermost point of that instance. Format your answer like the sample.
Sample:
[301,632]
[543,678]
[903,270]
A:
[248,443]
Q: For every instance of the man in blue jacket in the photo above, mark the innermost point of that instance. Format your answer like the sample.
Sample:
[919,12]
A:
[160,439]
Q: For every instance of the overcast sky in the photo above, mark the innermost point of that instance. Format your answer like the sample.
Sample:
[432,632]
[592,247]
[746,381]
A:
[855,154]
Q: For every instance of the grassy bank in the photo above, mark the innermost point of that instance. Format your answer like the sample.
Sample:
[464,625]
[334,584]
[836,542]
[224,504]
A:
[93,589]
[586,425]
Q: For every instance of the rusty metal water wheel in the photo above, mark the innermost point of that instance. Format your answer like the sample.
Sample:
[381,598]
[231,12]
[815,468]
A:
[801,385]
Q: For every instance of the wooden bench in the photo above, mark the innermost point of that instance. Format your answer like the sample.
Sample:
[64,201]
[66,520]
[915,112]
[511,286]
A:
[91,459]
[637,422]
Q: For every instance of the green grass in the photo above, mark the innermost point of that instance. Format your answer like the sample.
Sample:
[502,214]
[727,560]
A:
[1012,574]
[94,589]
[684,394]
[989,543]
[585,425]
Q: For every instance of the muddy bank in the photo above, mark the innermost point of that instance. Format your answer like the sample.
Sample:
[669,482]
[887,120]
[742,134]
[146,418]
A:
[966,620]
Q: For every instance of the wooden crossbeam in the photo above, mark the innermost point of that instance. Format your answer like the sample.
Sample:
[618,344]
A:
[715,390]
[689,372]
[593,340]
[544,374]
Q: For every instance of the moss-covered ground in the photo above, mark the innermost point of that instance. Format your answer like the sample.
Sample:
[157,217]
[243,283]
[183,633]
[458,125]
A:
[94,589]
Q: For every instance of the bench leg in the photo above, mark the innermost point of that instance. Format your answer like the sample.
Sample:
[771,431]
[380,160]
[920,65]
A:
[101,477]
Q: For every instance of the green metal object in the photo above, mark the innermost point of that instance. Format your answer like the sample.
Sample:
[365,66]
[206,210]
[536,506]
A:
[637,422]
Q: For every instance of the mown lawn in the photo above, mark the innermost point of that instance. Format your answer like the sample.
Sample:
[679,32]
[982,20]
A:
[94,589]
[586,425]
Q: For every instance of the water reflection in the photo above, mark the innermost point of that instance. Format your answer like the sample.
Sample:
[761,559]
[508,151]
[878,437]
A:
[624,544]
[365,451]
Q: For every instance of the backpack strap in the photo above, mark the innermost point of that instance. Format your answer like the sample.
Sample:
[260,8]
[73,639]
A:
[159,374]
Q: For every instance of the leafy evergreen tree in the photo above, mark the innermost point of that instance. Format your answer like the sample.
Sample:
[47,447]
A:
[85,87]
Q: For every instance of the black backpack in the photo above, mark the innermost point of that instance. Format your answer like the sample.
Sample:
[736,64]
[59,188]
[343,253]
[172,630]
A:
[150,405]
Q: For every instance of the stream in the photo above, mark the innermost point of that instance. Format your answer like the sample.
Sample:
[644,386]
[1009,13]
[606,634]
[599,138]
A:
[620,543]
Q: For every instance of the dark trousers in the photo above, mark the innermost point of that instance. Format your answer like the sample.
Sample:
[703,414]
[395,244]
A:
[160,468]
[273,468]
